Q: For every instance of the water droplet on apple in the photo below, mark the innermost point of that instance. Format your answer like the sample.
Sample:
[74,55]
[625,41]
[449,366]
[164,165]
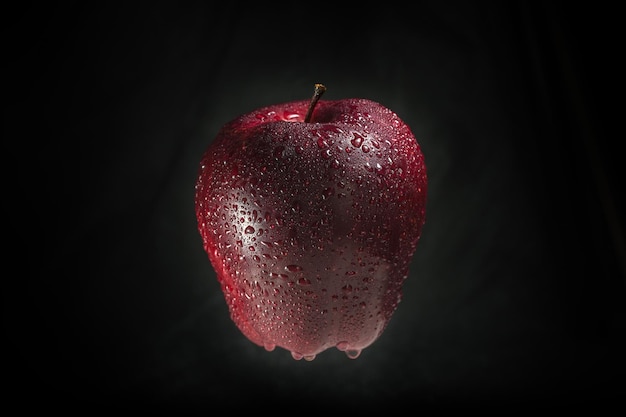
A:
[328,191]
[357,139]
[249,230]
[293,268]
[269,346]
[292,117]
[353,353]
[278,152]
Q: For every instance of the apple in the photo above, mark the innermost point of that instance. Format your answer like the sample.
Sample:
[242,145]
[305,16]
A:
[310,213]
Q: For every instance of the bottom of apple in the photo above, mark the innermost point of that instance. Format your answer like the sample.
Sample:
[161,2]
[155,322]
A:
[351,353]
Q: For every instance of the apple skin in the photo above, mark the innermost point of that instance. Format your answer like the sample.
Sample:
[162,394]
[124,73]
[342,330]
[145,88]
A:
[311,226]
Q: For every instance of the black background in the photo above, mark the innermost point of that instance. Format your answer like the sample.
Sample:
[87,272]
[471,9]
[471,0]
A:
[516,296]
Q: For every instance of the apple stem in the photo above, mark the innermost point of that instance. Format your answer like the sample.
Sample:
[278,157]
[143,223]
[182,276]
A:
[319,90]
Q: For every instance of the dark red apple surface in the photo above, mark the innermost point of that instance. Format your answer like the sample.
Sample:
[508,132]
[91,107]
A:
[310,213]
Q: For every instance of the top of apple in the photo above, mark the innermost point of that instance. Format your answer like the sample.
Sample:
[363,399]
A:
[357,114]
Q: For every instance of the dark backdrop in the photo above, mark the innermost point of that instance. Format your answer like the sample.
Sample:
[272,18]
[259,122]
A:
[516,294]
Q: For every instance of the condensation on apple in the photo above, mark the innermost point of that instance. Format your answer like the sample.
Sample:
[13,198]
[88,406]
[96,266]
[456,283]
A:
[310,213]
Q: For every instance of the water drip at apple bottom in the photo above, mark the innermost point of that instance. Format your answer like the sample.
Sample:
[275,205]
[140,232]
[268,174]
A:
[353,353]
[350,353]
[298,356]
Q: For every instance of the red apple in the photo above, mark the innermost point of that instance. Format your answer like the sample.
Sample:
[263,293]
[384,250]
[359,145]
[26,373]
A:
[310,213]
